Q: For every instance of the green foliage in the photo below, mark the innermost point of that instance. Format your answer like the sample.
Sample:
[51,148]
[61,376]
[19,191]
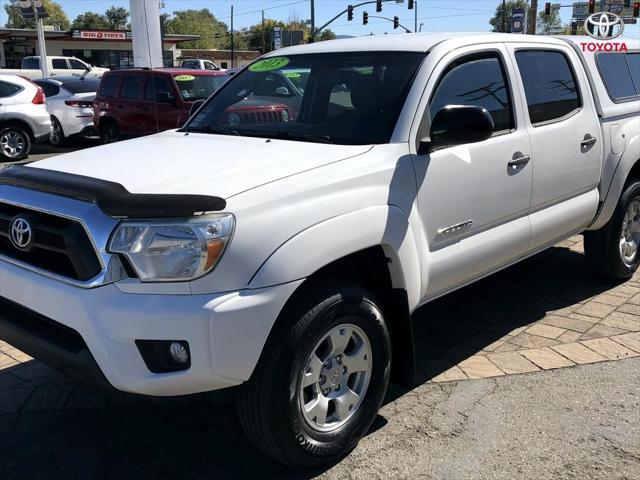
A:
[198,22]
[117,18]
[550,24]
[497,20]
[57,18]
[90,21]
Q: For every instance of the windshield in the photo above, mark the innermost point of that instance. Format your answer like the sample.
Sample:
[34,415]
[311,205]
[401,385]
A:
[343,98]
[194,87]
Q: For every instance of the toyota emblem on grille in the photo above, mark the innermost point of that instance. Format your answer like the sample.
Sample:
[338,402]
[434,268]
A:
[604,26]
[20,233]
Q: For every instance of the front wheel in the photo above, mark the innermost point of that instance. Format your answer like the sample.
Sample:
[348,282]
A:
[613,252]
[57,137]
[109,132]
[321,378]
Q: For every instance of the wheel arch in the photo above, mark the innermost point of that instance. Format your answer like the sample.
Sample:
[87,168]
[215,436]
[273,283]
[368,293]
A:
[16,122]
[628,167]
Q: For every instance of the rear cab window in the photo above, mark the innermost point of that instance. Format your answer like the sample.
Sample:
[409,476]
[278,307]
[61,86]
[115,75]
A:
[59,64]
[549,83]
[620,73]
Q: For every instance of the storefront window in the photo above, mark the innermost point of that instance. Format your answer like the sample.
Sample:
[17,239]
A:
[103,58]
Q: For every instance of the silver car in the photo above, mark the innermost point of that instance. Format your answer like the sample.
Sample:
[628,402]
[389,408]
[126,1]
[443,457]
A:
[24,119]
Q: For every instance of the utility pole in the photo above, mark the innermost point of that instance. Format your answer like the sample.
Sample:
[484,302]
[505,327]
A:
[44,68]
[313,22]
[264,42]
[504,16]
[533,13]
[35,9]
[415,12]
[145,32]
[231,36]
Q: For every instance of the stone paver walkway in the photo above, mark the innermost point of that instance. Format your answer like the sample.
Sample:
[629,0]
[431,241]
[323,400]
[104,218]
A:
[545,313]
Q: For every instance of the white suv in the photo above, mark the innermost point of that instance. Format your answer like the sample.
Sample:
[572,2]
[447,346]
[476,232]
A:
[285,254]
[23,117]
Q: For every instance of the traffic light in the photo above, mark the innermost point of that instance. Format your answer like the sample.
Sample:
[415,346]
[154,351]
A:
[378,5]
[350,12]
[627,3]
[592,6]
[410,4]
[365,18]
[396,22]
[547,8]
[636,9]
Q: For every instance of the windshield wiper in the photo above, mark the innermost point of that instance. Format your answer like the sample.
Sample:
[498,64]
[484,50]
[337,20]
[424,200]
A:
[287,135]
[210,129]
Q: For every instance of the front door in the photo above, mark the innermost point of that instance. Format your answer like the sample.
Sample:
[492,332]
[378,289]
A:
[474,198]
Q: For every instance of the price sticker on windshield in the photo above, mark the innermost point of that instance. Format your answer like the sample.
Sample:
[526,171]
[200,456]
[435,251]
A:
[269,64]
[184,78]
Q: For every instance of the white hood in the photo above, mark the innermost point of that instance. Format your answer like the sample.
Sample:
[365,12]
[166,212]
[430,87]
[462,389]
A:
[196,163]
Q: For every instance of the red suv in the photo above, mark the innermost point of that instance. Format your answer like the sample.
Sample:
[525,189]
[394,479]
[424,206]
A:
[136,102]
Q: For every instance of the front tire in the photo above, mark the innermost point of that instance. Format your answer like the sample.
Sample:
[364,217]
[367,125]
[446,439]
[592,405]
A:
[57,138]
[15,144]
[321,378]
[613,252]
[109,132]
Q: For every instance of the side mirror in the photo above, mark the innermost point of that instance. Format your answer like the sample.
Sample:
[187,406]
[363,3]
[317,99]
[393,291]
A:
[194,107]
[164,97]
[457,125]
[283,91]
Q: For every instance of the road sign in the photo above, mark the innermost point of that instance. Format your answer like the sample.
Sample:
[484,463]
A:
[581,9]
[518,20]
[277,38]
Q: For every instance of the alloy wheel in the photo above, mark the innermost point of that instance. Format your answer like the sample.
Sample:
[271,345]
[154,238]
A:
[13,143]
[335,378]
[56,133]
[630,238]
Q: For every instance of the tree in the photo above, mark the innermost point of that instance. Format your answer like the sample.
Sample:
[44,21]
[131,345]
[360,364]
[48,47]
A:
[90,21]
[501,20]
[117,17]
[213,33]
[326,34]
[254,35]
[57,18]
[550,24]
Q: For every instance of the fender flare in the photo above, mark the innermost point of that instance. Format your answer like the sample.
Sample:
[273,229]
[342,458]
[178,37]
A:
[318,245]
[630,157]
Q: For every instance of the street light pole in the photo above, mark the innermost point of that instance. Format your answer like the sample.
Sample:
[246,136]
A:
[232,36]
[313,22]
[415,13]
[264,42]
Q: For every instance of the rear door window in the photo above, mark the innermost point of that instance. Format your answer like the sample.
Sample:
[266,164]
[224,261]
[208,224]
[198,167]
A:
[549,84]
[49,89]
[131,86]
[108,86]
[620,73]
[478,81]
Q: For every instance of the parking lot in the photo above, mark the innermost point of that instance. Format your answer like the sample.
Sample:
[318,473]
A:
[530,373]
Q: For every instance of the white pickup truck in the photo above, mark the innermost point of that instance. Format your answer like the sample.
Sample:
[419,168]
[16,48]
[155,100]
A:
[57,66]
[285,254]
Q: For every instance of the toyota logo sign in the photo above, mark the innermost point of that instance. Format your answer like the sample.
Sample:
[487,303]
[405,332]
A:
[604,25]
[20,233]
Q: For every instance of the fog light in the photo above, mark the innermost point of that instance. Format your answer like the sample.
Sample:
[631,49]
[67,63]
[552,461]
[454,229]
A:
[179,353]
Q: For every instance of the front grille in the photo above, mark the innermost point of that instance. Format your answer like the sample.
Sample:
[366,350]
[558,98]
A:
[262,117]
[59,245]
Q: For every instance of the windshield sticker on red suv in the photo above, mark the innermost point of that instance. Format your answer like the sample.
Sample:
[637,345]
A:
[269,64]
[184,78]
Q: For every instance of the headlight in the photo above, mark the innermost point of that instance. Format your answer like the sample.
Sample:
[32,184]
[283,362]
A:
[173,250]
[234,119]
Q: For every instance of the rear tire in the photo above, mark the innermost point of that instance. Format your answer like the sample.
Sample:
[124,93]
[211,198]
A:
[613,252]
[109,132]
[299,406]
[57,138]
[15,144]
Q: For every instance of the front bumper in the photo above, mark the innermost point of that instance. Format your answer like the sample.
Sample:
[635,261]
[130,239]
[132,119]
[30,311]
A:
[226,332]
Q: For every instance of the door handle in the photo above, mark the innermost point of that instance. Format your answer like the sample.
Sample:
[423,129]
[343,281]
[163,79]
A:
[588,141]
[518,160]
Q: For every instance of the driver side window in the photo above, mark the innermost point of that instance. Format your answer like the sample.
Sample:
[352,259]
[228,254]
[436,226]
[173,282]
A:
[480,81]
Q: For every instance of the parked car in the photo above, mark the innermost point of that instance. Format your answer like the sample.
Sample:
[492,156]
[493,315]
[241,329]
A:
[23,117]
[70,104]
[198,64]
[287,258]
[135,102]
[57,66]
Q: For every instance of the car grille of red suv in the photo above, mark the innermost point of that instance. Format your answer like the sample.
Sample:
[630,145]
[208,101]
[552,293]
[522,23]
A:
[262,118]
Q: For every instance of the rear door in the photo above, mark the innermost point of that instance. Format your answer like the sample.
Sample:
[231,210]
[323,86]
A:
[130,105]
[162,104]
[566,143]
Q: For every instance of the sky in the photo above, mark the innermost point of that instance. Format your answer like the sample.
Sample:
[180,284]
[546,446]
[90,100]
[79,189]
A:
[435,15]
